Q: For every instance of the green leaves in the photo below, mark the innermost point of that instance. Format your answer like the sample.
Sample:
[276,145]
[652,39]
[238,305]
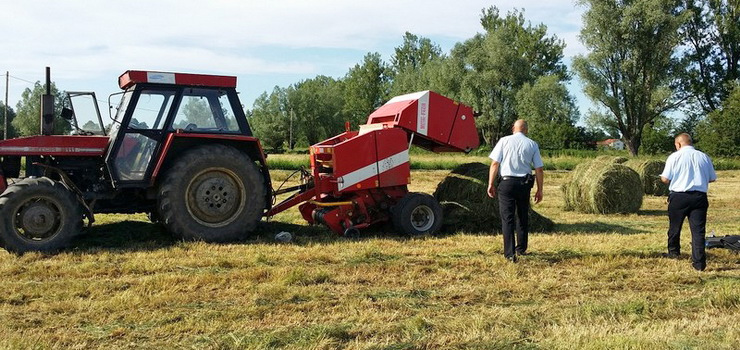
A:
[719,133]
[631,68]
[28,111]
[500,62]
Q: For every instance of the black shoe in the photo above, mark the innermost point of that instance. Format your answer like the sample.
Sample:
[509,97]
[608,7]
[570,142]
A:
[511,258]
[522,253]
[699,267]
[671,255]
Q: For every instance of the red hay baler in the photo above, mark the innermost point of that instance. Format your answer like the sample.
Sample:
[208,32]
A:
[360,178]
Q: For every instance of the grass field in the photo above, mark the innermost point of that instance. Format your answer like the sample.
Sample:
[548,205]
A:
[598,282]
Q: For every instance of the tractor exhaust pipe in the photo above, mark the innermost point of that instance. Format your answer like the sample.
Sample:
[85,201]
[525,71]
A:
[47,107]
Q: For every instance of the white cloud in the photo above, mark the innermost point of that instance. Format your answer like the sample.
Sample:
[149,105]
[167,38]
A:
[86,40]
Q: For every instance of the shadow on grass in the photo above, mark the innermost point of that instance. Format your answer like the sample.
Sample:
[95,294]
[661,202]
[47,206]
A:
[596,227]
[124,236]
[130,236]
[566,255]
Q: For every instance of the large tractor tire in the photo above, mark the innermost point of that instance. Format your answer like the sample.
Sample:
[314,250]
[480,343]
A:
[38,214]
[212,193]
[417,214]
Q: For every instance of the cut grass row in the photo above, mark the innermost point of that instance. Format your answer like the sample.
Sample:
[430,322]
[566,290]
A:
[431,161]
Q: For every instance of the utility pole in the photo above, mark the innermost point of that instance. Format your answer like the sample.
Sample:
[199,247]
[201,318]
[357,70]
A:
[7,84]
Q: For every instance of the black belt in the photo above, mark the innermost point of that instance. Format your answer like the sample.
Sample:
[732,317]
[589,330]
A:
[687,192]
[504,178]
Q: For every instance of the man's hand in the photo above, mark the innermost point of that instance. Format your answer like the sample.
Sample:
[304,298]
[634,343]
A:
[539,175]
[491,191]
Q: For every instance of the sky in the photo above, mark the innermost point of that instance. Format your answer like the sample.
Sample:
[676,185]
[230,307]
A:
[265,43]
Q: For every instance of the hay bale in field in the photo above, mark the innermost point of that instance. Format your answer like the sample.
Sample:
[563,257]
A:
[649,171]
[467,206]
[601,186]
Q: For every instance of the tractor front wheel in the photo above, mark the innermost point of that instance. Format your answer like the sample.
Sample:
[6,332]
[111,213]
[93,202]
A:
[213,193]
[417,214]
[38,214]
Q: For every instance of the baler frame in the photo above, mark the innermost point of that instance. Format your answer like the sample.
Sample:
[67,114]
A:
[360,178]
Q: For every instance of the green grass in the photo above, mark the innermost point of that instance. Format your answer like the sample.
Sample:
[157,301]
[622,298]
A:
[422,160]
[598,282]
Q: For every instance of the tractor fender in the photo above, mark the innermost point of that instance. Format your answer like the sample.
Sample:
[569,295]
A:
[177,143]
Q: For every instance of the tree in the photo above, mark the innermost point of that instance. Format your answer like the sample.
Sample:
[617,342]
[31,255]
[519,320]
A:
[366,87]
[414,53]
[719,133]
[495,65]
[550,111]
[270,119]
[11,116]
[657,136]
[712,38]
[601,125]
[197,112]
[28,111]
[317,105]
[631,68]
[408,69]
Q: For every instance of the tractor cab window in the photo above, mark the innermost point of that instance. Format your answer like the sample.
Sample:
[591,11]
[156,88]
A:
[140,140]
[205,110]
[151,109]
[85,112]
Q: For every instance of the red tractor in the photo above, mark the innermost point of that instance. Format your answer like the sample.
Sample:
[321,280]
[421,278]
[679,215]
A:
[180,149]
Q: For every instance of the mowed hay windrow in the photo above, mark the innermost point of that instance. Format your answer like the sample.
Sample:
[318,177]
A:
[649,171]
[612,159]
[467,206]
[604,187]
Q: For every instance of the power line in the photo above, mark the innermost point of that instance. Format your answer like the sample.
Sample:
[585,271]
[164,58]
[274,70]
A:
[24,80]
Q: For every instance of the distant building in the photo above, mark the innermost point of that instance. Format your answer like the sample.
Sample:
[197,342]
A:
[611,143]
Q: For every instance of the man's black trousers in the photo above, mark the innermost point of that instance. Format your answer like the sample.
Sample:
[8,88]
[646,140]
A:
[513,202]
[694,205]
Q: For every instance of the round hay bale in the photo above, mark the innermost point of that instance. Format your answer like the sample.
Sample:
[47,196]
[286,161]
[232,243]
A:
[649,171]
[573,189]
[603,187]
[467,206]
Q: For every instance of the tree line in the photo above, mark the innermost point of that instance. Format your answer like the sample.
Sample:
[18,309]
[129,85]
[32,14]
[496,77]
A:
[512,69]
[648,62]
[653,68]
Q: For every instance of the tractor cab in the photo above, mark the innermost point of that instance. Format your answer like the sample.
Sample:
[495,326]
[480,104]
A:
[155,105]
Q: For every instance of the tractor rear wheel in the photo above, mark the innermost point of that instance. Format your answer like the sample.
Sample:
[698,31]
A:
[38,214]
[212,193]
[417,214]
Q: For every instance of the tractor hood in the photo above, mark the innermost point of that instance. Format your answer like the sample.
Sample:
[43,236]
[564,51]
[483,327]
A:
[57,145]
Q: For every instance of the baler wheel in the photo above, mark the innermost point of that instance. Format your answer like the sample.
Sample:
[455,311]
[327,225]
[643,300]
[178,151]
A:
[417,214]
[212,193]
[39,214]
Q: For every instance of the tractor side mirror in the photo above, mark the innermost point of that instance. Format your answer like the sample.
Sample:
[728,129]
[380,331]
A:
[67,114]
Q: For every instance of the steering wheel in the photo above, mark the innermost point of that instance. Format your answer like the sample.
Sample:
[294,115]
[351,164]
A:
[191,127]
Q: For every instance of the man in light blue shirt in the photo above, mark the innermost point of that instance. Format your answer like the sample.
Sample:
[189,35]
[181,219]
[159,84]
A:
[515,156]
[688,173]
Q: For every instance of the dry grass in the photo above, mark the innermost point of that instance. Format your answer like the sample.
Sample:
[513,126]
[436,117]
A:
[599,282]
